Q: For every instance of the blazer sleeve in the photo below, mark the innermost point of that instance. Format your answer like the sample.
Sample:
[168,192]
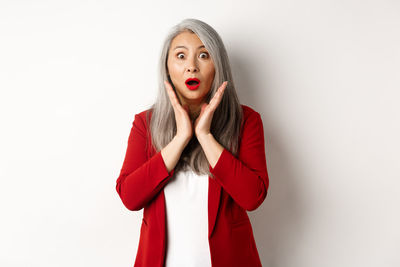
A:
[245,178]
[140,179]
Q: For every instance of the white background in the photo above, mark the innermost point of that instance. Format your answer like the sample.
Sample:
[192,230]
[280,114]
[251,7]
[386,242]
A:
[324,75]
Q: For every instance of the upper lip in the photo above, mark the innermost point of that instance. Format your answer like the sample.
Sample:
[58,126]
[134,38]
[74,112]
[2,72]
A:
[192,79]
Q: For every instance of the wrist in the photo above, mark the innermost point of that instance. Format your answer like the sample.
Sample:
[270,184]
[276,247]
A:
[204,137]
[181,140]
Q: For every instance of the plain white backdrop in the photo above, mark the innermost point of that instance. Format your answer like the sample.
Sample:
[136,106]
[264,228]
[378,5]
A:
[324,75]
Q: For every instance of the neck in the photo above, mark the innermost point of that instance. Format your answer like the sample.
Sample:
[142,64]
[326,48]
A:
[193,105]
[194,111]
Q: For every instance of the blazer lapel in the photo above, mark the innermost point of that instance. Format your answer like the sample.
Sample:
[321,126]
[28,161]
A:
[214,194]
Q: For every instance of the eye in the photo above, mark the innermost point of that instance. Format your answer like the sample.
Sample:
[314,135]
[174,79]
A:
[204,53]
[180,55]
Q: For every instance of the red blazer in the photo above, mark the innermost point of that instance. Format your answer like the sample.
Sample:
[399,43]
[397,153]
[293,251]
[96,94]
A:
[240,185]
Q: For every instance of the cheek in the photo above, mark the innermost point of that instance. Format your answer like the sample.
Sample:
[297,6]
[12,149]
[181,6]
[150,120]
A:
[210,74]
[173,68]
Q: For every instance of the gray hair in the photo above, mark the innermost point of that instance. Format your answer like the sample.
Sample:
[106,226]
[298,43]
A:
[227,118]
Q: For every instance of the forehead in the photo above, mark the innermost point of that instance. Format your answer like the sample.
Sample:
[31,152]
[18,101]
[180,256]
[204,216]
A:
[187,39]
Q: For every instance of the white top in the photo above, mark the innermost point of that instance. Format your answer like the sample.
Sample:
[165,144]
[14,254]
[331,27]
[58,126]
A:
[186,199]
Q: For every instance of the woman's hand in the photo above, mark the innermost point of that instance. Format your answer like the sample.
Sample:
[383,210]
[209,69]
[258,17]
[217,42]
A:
[184,127]
[203,122]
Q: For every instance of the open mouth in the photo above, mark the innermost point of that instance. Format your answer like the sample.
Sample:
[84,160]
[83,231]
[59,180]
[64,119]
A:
[192,83]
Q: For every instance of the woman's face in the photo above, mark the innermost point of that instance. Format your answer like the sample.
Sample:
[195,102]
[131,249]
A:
[188,58]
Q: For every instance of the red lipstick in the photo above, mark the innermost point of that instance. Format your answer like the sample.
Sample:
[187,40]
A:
[192,83]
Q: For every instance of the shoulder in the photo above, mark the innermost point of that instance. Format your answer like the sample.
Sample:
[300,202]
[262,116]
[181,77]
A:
[249,112]
[143,113]
[252,122]
[140,119]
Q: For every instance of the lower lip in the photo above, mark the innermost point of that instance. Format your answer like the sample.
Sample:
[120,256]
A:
[193,87]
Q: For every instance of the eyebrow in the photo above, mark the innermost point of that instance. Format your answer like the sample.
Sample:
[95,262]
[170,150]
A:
[182,46]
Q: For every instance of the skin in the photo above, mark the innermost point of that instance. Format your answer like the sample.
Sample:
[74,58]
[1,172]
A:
[188,58]
[192,113]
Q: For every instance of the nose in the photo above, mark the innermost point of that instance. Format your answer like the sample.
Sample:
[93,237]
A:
[192,66]
[192,69]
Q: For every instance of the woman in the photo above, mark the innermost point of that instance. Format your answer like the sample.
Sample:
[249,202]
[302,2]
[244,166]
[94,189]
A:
[195,160]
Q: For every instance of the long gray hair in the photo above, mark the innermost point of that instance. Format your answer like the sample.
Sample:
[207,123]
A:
[227,118]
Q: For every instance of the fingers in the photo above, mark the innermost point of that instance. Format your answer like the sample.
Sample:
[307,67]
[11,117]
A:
[222,87]
[218,96]
[171,94]
[212,105]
